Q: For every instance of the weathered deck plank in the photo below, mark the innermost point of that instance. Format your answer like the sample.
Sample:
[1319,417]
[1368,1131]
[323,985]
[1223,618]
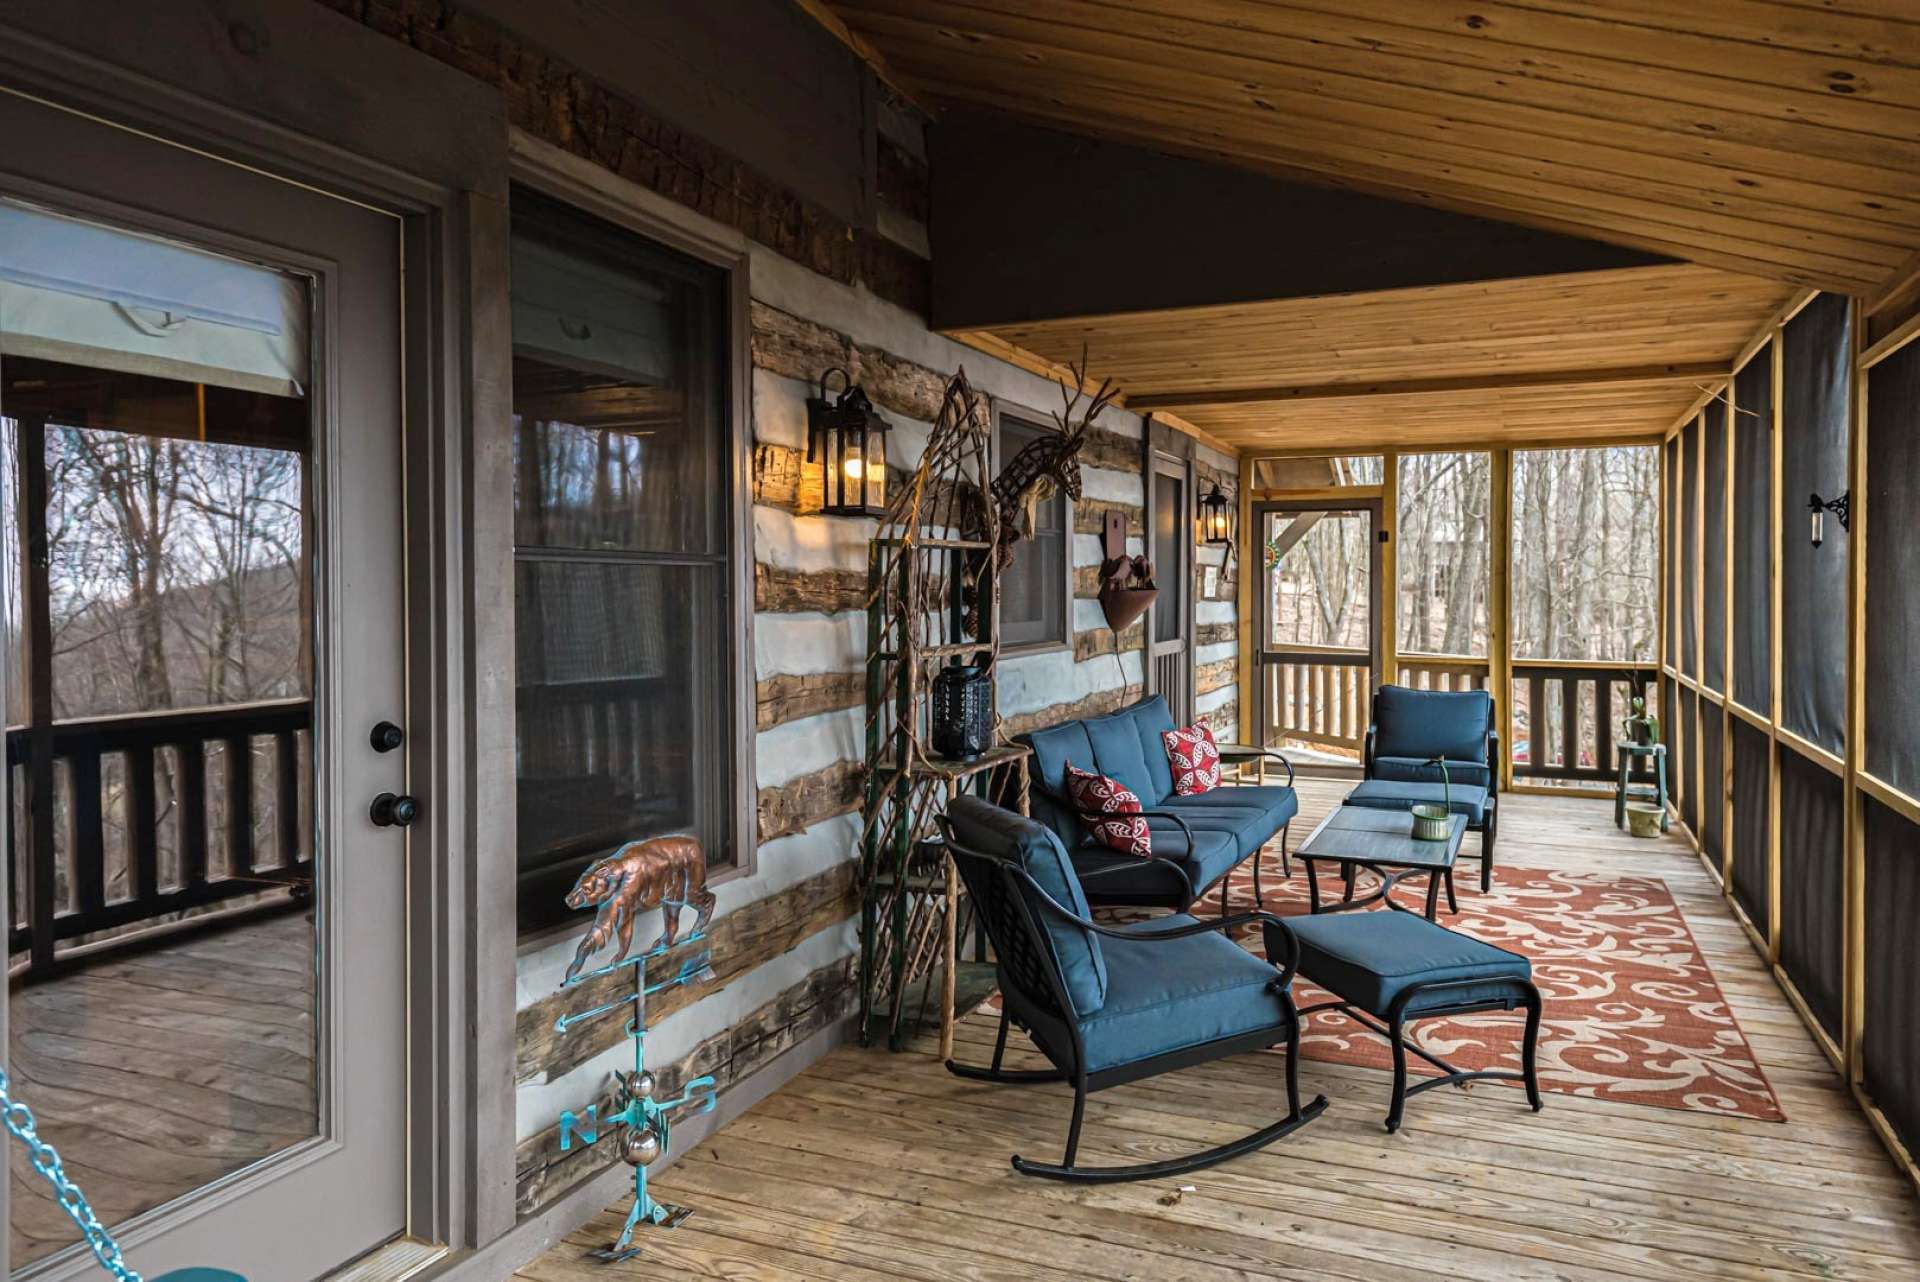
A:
[870,1166]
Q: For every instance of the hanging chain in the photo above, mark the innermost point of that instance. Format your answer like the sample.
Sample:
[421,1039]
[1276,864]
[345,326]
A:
[19,1119]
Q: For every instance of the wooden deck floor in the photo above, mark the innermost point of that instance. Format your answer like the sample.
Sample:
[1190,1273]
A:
[161,1071]
[870,1166]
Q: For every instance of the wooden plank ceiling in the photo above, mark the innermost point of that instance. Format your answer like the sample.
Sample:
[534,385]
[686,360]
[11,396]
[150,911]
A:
[1593,354]
[1771,144]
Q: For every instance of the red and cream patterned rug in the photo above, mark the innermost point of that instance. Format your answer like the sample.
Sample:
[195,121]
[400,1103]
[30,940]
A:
[1631,1010]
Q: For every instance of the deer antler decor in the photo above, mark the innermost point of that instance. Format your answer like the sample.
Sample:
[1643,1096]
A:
[1032,476]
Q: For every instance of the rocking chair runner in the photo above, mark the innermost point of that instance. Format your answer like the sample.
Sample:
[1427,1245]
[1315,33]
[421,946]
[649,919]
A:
[1112,1005]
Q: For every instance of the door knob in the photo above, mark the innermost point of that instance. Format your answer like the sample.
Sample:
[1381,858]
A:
[391,811]
[386,737]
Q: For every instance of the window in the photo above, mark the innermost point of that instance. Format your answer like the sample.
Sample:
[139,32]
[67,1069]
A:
[1585,572]
[623,561]
[1037,589]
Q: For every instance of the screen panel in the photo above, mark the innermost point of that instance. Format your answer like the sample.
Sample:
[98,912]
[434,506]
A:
[1670,554]
[1893,569]
[1752,820]
[1670,735]
[1891,1051]
[1712,800]
[1812,885]
[1752,620]
[1815,415]
[1689,754]
[1713,548]
[1690,549]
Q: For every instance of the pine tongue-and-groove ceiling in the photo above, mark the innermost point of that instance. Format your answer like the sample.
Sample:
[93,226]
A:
[1772,144]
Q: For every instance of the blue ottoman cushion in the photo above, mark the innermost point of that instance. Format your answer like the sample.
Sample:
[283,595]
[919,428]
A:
[1392,794]
[1166,995]
[1370,958]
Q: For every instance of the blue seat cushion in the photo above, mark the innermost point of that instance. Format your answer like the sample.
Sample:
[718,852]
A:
[1416,770]
[990,830]
[1255,815]
[1432,723]
[1392,794]
[1170,994]
[1370,958]
[1216,851]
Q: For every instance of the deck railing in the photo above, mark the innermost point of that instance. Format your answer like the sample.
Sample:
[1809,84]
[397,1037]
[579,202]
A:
[1320,695]
[1443,672]
[1567,715]
[139,829]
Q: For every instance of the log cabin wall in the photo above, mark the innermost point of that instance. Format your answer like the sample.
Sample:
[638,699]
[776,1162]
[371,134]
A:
[838,267]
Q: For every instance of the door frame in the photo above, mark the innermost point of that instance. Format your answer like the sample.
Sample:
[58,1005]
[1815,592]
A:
[442,174]
[1166,452]
[1368,499]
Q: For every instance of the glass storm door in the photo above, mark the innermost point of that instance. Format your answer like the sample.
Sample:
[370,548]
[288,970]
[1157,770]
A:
[200,374]
[1319,613]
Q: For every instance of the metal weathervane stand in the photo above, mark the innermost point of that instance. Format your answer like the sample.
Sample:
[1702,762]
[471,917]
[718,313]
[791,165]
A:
[641,1117]
[19,1120]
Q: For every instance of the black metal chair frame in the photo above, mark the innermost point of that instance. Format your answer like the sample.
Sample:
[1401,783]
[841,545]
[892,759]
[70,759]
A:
[1024,952]
[1189,893]
[1524,995]
[1489,825]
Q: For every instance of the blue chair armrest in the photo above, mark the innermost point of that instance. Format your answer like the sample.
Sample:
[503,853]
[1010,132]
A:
[1129,865]
[1186,830]
[1367,750]
[1493,762]
[1267,921]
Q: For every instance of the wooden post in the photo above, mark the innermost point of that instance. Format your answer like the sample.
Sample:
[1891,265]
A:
[1250,546]
[1389,586]
[1729,437]
[39,694]
[1500,606]
[1853,1001]
[949,944]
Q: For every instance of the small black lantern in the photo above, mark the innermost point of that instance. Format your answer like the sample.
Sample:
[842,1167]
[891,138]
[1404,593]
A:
[848,435]
[962,712]
[1818,509]
[1216,527]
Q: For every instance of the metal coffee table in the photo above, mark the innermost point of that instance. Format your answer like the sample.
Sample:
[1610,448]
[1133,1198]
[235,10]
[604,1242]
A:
[1382,842]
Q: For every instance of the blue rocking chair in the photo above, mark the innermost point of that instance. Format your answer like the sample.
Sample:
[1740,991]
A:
[1112,1005]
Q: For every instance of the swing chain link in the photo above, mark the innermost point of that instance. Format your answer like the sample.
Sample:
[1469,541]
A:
[19,1120]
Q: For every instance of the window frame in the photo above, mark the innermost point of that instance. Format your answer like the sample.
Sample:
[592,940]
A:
[632,209]
[1036,420]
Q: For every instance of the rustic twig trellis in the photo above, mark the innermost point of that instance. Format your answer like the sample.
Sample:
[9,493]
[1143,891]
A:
[939,531]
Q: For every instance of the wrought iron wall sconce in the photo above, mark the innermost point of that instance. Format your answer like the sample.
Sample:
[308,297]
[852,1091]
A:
[848,435]
[1818,508]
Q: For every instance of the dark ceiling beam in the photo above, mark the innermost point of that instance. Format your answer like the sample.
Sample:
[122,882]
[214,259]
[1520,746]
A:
[1613,376]
[1030,224]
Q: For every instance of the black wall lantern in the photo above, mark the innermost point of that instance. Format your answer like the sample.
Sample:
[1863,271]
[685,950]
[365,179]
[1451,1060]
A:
[1216,519]
[1818,510]
[849,436]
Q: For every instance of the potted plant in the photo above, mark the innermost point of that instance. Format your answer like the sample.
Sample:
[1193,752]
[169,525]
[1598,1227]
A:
[1642,727]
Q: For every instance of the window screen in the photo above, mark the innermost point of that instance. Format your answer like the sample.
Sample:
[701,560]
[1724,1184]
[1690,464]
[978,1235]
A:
[1713,548]
[1815,411]
[1752,620]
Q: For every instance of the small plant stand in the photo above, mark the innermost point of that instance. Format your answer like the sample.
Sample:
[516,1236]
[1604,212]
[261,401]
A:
[1628,753]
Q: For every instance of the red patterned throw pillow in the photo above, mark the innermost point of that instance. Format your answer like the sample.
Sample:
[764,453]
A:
[1110,811]
[1195,759]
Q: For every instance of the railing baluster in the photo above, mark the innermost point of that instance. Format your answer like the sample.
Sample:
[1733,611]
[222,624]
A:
[286,777]
[193,813]
[1536,722]
[1603,721]
[1570,722]
[143,825]
[240,852]
[89,847]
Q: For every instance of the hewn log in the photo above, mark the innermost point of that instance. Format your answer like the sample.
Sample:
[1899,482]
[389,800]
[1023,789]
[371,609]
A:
[1216,633]
[1094,705]
[798,348]
[789,697]
[730,1056]
[780,590]
[1223,720]
[1089,516]
[739,941]
[1209,677]
[800,804]
[1096,642]
[1110,450]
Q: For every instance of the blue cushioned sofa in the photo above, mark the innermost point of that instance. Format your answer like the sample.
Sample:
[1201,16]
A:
[1196,840]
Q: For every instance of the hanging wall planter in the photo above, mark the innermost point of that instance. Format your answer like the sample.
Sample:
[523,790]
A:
[1126,582]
